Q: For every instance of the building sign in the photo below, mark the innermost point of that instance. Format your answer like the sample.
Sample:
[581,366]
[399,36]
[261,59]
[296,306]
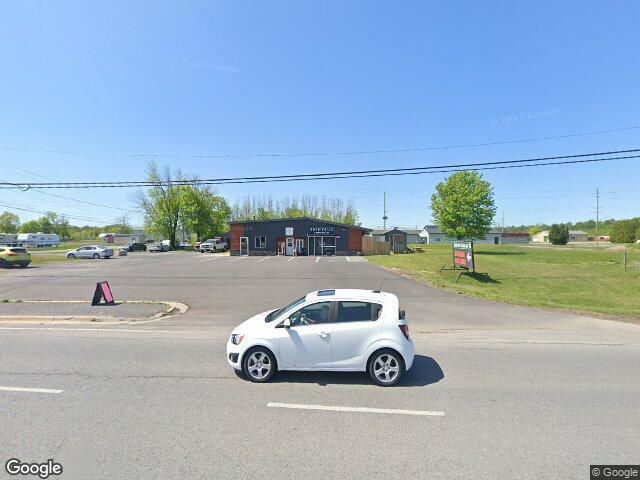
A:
[322,230]
[463,255]
[288,231]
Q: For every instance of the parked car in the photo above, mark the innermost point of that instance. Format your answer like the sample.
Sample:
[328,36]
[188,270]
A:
[184,246]
[213,245]
[14,256]
[158,247]
[327,330]
[135,247]
[90,251]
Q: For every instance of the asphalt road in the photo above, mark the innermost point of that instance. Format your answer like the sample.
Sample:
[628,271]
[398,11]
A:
[525,393]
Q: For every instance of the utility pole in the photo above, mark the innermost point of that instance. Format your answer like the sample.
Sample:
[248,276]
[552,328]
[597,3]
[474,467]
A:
[597,213]
[503,221]
[384,215]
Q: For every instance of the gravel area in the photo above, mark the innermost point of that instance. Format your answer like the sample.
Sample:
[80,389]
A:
[122,310]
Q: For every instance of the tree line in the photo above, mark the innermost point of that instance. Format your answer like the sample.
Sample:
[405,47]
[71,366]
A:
[331,209]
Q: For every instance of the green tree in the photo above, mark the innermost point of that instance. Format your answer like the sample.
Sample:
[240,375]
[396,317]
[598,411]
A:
[463,206]
[559,234]
[161,203]
[9,222]
[42,224]
[624,231]
[202,212]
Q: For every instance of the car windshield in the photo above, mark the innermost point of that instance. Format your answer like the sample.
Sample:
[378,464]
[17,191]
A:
[276,313]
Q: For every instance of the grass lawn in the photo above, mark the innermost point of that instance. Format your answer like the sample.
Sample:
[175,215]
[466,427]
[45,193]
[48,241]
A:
[586,280]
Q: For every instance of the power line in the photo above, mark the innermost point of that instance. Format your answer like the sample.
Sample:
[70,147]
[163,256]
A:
[33,210]
[319,154]
[505,164]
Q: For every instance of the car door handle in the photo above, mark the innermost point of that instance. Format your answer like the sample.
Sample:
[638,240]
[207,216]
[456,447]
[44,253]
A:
[324,334]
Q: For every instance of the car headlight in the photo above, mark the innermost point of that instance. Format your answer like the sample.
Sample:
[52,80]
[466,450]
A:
[236,338]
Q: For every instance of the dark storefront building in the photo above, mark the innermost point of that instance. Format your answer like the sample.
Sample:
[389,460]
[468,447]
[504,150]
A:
[295,236]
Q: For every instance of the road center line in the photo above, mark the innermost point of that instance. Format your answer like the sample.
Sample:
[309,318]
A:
[29,390]
[356,409]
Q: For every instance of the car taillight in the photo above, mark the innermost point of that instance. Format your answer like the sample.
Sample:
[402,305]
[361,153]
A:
[405,330]
[11,254]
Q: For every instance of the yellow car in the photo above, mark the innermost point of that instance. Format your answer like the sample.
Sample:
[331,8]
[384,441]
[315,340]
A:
[11,256]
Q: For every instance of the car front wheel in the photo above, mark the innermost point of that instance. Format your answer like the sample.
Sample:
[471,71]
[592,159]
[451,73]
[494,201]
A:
[259,365]
[386,367]
[96,255]
[71,256]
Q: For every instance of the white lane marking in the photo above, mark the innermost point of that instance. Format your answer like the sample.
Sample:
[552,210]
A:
[263,259]
[356,409]
[290,259]
[237,258]
[90,330]
[317,259]
[29,390]
[210,258]
[348,259]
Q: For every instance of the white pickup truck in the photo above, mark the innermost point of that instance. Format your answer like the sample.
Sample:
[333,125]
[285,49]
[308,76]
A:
[213,245]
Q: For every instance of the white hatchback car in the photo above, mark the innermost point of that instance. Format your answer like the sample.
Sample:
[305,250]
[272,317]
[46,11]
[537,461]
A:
[327,330]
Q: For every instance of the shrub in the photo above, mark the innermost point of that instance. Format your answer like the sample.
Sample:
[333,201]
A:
[559,234]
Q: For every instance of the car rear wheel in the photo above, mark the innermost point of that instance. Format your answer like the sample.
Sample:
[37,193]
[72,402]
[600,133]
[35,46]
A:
[4,263]
[71,256]
[386,367]
[259,365]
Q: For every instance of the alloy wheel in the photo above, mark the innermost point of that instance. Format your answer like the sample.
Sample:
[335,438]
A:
[386,368]
[259,365]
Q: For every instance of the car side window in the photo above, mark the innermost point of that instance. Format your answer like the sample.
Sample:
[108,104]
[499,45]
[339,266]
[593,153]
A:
[311,314]
[358,312]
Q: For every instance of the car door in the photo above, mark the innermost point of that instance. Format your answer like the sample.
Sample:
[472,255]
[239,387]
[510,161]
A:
[83,252]
[307,343]
[357,326]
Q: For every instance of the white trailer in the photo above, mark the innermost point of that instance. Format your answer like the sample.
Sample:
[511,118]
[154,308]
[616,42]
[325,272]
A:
[38,239]
[9,239]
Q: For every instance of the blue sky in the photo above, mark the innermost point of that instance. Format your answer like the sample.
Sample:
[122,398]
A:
[190,78]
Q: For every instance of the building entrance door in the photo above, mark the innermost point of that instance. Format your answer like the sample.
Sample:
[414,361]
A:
[289,246]
[299,246]
[244,245]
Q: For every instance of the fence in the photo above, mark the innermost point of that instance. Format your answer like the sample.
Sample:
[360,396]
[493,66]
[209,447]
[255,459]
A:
[370,246]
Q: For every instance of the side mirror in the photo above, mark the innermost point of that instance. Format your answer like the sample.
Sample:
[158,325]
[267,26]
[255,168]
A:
[286,323]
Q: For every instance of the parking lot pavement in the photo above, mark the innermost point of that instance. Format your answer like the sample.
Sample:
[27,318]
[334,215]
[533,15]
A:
[523,393]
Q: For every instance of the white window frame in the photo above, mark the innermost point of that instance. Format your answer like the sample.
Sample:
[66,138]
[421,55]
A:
[262,243]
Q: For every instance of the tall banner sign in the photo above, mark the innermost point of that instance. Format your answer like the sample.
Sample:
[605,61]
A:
[463,255]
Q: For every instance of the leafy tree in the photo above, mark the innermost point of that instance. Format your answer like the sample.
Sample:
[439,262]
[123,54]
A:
[463,205]
[202,212]
[42,224]
[9,222]
[559,234]
[161,203]
[625,231]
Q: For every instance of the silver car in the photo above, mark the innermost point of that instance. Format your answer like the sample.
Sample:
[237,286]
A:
[90,251]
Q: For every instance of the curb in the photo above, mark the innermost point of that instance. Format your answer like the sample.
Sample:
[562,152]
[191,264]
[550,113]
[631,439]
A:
[170,310]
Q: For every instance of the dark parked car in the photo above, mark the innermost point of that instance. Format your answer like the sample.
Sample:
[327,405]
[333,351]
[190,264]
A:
[135,247]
